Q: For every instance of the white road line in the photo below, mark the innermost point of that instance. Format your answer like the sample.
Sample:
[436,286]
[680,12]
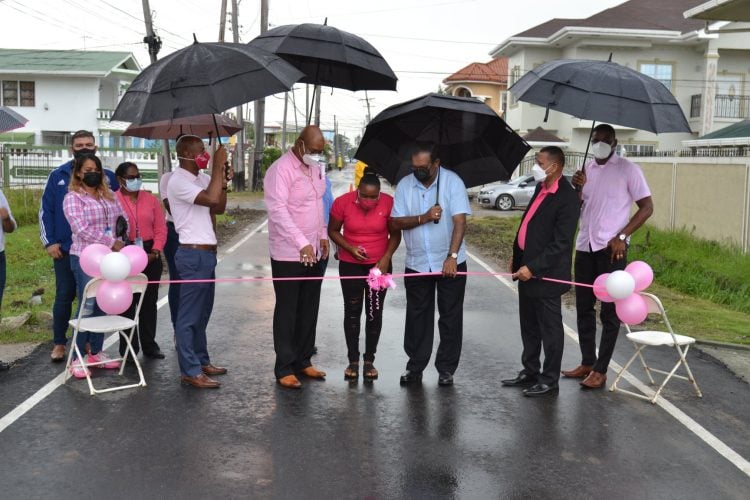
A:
[719,446]
[56,382]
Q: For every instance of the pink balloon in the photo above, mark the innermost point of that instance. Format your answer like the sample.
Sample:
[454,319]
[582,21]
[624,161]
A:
[114,297]
[632,309]
[600,288]
[91,257]
[137,257]
[641,273]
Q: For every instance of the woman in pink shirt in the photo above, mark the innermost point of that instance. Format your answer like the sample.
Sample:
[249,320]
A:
[367,242]
[147,229]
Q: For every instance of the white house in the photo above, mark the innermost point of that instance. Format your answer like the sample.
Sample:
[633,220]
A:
[61,91]
[707,72]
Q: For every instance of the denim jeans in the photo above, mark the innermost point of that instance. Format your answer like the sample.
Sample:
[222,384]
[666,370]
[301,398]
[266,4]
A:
[65,292]
[96,340]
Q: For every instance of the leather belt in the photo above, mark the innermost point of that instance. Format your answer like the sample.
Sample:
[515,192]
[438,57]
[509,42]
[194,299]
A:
[208,248]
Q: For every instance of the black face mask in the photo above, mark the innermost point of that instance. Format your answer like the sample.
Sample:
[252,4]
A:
[92,179]
[81,152]
[421,174]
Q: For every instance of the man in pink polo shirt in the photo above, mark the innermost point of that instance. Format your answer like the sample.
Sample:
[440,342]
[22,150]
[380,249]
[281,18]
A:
[544,249]
[297,240]
[610,185]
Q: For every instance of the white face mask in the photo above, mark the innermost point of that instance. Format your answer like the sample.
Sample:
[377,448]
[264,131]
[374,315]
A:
[538,172]
[601,150]
[311,160]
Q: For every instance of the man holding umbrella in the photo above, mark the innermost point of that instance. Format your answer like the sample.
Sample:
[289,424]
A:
[609,186]
[433,244]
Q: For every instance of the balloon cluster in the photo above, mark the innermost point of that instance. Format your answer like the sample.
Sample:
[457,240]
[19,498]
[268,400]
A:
[620,287]
[114,295]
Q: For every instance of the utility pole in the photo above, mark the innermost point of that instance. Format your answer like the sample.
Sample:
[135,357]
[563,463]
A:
[223,20]
[335,144]
[154,45]
[283,124]
[367,100]
[239,154]
[317,105]
[260,110]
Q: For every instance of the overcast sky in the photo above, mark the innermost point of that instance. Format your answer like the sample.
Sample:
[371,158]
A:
[423,40]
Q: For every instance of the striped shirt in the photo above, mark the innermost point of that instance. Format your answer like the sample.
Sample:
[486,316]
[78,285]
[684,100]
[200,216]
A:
[92,220]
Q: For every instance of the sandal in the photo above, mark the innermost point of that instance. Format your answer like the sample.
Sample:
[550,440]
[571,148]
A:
[369,372]
[352,371]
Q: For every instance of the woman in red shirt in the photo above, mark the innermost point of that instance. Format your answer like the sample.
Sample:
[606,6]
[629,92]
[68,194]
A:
[367,242]
[147,229]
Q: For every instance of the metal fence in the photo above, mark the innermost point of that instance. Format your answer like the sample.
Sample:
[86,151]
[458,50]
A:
[26,168]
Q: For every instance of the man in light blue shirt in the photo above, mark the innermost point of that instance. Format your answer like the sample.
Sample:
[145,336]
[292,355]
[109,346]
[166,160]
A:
[434,243]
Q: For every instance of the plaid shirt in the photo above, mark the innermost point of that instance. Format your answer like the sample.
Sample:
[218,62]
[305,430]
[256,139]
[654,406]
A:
[90,219]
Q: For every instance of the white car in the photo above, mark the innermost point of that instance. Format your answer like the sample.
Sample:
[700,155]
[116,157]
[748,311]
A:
[512,194]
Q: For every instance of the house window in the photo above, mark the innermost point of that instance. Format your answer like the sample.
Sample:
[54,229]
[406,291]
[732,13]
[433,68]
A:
[659,71]
[635,149]
[462,92]
[515,75]
[11,96]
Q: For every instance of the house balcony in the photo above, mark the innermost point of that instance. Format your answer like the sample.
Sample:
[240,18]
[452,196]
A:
[103,117]
[725,106]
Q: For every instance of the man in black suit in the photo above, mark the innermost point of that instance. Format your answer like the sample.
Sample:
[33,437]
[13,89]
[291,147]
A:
[544,249]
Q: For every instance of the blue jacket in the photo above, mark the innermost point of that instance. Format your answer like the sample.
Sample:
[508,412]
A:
[53,226]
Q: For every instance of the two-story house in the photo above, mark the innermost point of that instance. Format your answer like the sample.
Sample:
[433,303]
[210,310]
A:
[485,81]
[707,72]
[61,91]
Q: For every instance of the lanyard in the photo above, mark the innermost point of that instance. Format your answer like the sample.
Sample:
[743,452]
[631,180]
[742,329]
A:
[130,212]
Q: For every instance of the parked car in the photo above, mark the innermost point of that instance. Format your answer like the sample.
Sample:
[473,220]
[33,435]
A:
[512,194]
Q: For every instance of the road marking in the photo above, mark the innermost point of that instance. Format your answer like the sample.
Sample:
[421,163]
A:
[719,446]
[56,382]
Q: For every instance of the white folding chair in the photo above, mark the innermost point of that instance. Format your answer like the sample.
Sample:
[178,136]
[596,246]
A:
[108,324]
[646,338]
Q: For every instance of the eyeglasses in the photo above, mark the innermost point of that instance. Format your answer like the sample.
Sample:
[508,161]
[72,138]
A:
[131,177]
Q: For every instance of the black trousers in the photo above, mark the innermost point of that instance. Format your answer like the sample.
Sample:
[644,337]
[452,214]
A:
[420,320]
[146,337]
[356,295]
[295,316]
[588,266]
[541,326]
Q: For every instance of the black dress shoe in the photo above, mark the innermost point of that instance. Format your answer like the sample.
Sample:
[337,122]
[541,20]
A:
[445,378]
[408,377]
[522,380]
[540,389]
[157,354]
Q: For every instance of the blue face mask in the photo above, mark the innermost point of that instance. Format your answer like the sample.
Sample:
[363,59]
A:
[133,185]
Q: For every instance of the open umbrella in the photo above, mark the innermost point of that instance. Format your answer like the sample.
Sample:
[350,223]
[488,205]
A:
[602,91]
[201,126]
[472,139]
[204,78]
[329,56]
[10,120]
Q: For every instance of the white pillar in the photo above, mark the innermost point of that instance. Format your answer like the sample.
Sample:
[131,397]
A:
[708,102]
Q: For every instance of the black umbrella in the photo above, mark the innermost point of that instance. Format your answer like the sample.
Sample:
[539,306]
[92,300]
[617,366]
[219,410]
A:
[602,91]
[10,120]
[472,139]
[329,56]
[204,78]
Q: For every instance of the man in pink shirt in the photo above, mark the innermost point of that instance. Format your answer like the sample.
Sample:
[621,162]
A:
[297,240]
[610,185]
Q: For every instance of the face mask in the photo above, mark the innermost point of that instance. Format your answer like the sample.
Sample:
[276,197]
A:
[201,160]
[80,152]
[133,185]
[421,174]
[601,150]
[92,179]
[538,173]
[311,160]
[367,203]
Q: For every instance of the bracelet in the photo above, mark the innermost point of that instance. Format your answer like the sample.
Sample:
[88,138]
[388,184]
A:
[419,220]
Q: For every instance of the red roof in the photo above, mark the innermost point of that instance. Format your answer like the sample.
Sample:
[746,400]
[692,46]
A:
[495,71]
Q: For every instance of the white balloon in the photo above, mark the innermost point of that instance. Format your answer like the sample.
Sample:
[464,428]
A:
[115,266]
[620,285]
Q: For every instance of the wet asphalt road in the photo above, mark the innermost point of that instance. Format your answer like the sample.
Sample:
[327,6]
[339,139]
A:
[333,439]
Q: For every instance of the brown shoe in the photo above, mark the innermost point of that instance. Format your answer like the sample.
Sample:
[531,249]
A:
[595,380]
[290,382]
[213,370]
[201,381]
[580,371]
[313,372]
[58,353]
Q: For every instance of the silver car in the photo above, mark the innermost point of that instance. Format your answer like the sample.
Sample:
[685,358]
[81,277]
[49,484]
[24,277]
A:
[506,195]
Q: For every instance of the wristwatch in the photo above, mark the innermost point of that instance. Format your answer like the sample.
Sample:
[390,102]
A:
[622,237]
[453,255]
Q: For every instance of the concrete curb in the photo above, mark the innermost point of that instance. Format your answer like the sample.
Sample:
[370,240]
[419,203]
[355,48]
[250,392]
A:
[723,345]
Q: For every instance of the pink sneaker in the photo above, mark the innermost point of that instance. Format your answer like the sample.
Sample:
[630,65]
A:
[108,363]
[77,370]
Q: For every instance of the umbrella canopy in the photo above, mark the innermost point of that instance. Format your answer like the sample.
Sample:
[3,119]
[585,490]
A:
[204,78]
[329,56]
[602,91]
[201,126]
[10,120]
[472,139]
